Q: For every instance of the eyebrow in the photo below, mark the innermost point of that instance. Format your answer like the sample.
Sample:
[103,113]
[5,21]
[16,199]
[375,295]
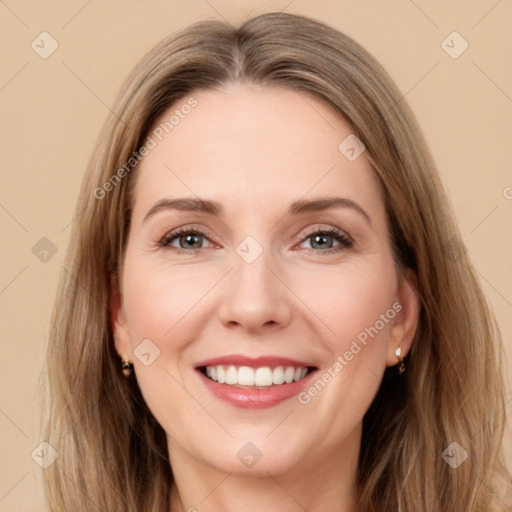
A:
[214,208]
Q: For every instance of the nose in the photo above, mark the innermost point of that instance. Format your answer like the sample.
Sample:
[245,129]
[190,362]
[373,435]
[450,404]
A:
[255,297]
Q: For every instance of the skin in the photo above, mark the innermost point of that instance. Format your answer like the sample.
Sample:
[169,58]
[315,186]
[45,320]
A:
[255,151]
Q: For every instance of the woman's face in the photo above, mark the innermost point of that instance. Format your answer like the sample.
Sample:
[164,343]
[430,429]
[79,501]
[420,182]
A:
[267,278]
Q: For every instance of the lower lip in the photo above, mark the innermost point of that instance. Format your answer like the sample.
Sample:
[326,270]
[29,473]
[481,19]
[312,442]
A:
[255,398]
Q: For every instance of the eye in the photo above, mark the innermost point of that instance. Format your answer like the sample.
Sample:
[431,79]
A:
[187,239]
[323,240]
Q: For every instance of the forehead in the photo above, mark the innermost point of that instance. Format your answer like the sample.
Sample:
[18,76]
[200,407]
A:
[247,147]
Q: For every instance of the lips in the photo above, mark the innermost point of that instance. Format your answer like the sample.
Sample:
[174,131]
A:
[254,382]
[253,362]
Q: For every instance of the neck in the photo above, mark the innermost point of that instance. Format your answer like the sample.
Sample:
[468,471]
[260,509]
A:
[321,482]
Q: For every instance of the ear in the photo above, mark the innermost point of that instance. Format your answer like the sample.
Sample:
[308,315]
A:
[118,320]
[407,318]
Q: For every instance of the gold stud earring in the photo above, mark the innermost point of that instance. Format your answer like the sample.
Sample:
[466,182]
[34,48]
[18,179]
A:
[401,364]
[126,366]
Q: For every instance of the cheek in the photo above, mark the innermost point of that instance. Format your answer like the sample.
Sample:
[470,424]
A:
[356,303]
[158,299]
[161,304]
[351,302]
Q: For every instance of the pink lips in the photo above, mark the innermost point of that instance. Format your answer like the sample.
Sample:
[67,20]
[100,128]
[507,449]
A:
[254,398]
[239,360]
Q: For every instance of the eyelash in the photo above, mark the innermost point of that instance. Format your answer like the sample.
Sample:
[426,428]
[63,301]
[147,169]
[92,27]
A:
[340,236]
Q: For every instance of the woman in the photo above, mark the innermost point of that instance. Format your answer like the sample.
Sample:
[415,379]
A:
[264,304]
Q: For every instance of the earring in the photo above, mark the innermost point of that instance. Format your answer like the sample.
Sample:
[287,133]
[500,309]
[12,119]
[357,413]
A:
[401,364]
[126,366]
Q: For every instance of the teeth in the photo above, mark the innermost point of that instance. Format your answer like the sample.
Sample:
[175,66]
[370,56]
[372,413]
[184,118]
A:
[278,375]
[288,374]
[263,377]
[260,377]
[245,376]
[231,375]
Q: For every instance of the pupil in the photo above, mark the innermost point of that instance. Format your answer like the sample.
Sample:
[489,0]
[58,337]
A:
[189,239]
[322,240]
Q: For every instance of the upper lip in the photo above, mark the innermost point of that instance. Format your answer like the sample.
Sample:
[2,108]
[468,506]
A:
[253,362]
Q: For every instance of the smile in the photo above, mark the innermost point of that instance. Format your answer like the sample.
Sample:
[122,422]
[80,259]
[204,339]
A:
[261,377]
[254,383]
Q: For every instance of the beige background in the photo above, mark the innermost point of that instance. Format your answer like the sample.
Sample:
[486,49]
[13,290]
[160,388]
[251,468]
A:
[52,110]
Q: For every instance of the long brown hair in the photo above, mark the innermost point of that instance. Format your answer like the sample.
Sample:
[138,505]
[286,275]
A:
[112,452]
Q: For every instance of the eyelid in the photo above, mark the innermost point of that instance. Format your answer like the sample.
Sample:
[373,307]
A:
[322,228]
